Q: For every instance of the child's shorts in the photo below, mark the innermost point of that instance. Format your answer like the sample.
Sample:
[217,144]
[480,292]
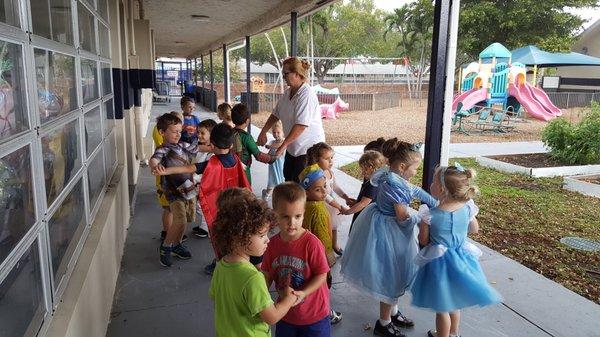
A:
[184,211]
[321,328]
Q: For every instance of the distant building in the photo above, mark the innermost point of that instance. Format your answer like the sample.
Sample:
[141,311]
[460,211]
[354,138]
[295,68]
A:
[342,73]
[583,78]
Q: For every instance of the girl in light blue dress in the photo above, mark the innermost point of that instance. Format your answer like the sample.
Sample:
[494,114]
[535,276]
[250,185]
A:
[275,176]
[450,277]
[379,256]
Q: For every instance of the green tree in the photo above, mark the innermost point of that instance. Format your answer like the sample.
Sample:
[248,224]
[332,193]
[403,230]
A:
[235,73]
[414,24]
[346,29]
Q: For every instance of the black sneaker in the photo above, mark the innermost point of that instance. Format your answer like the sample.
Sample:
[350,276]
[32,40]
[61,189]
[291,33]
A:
[184,238]
[389,330]
[402,321]
[165,256]
[181,252]
[210,268]
[199,232]
[335,317]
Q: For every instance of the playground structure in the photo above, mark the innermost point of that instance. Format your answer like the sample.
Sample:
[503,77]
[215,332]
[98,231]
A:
[498,83]
[330,111]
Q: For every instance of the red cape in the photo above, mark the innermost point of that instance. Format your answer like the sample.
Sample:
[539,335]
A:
[215,179]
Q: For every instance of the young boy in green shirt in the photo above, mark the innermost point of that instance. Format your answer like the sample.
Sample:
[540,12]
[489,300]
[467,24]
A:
[243,305]
[245,146]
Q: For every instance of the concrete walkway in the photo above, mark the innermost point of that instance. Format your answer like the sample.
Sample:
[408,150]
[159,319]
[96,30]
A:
[151,300]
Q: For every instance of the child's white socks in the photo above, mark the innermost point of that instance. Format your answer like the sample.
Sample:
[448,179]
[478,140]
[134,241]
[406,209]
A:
[384,322]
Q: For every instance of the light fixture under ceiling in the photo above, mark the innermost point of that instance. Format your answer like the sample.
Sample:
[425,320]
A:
[200,18]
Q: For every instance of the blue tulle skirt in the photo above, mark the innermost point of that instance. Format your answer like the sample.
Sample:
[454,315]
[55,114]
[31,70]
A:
[276,173]
[451,282]
[379,256]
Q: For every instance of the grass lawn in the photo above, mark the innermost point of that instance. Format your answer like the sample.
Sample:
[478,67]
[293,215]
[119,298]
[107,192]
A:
[524,218]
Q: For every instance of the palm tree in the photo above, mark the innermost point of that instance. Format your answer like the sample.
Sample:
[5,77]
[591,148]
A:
[414,22]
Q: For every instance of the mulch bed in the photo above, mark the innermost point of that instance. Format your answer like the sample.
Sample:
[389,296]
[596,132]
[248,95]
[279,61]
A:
[532,160]
[593,180]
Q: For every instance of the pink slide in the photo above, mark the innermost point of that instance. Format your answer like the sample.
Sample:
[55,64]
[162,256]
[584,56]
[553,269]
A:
[533,106]
[543,98]
[470,98]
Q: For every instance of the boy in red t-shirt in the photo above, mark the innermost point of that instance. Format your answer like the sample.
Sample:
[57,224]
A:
[296,258]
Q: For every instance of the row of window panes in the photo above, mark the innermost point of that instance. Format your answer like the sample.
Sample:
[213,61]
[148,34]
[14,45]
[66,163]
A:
[21,300]
[53,21]
[56,91]
[21,294]
[61,162]
[55,82]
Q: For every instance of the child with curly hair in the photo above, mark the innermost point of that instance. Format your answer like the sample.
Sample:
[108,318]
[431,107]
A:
[243,305]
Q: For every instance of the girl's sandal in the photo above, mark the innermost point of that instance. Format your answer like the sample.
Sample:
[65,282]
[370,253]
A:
[339,252]
[431,333]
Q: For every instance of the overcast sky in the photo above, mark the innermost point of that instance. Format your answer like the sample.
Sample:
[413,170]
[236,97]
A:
[591,14]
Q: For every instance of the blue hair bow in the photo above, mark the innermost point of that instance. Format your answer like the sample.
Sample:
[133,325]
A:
[416,146]
[459,167]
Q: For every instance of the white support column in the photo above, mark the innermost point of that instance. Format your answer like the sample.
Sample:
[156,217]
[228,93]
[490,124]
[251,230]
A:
[450,66]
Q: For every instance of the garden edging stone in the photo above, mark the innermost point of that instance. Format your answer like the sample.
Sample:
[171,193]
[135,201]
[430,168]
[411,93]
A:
[538,172]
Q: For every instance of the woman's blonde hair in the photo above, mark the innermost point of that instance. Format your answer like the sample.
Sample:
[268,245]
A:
[297,65]
[458,182]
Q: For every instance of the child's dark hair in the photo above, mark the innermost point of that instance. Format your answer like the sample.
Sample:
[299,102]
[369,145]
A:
[397,150]
[222,136]
[458,183]
[239,114]
[208,124]
[240,215]
[288,192]
[374,145]
[165,120]
[185,100]
[316,151]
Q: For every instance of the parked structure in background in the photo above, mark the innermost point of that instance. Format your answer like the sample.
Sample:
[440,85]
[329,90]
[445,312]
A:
[583,79]
[366,70]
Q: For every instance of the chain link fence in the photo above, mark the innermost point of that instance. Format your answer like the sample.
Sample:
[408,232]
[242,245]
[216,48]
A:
[379,101]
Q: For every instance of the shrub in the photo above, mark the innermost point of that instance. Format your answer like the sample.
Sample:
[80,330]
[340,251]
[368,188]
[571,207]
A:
[575,144]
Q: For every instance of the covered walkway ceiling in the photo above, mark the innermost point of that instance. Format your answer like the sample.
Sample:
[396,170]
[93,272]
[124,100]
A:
[178,34]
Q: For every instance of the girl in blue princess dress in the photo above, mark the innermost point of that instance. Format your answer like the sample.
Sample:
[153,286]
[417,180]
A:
[379,255]
[449,277]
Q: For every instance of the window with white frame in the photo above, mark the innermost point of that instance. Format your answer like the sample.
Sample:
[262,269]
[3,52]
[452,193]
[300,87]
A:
[57,148]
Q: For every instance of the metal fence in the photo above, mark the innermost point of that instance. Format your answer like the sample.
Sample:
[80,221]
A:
[413,99]
[567,100]
[379,101]
[356,102]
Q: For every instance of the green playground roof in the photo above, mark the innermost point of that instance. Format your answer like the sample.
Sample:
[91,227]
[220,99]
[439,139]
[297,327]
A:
[532,55]
[494,50]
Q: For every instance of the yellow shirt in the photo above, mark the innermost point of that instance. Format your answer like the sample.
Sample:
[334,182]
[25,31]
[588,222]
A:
[316,220]
[158,140]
